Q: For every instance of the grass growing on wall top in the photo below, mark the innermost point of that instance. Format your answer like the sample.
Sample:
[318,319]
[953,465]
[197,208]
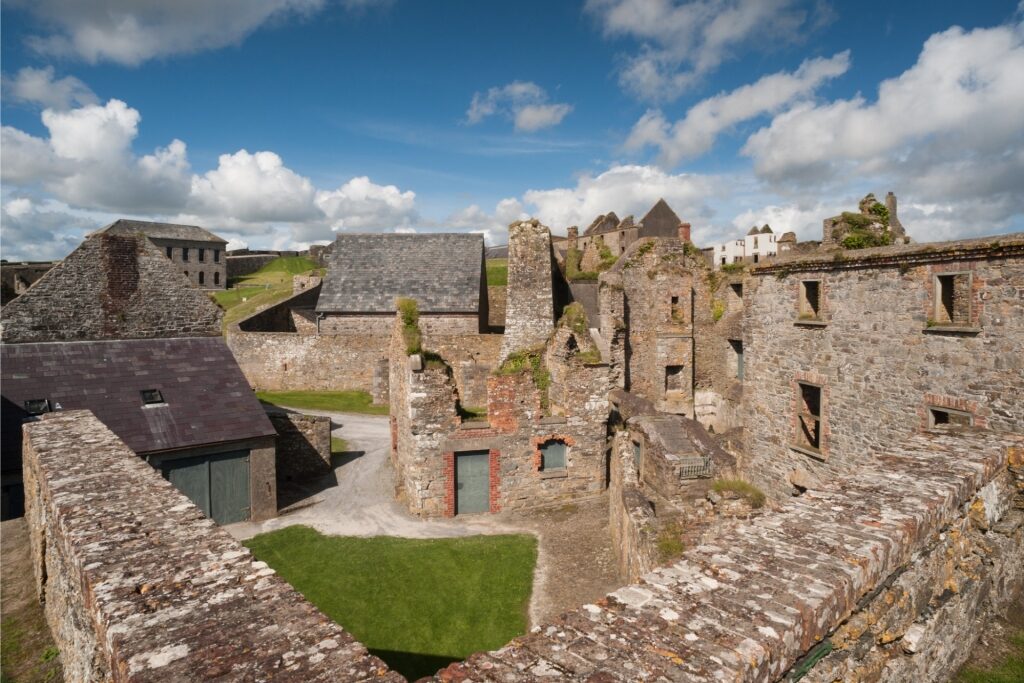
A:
[417,604]
[332,401]
[497,272]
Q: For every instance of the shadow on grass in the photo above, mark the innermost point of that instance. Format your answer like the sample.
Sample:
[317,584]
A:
[413,665]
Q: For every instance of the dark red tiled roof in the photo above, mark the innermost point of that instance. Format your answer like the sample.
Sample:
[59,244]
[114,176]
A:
[208,399]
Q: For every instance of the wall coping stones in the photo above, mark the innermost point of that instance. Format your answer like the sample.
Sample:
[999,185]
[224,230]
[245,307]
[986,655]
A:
[750,605]
[166,594]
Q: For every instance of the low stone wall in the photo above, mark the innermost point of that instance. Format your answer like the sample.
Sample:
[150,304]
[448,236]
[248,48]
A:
[303,444]
[631,516]
[889,571]
[238,266]
[139,586]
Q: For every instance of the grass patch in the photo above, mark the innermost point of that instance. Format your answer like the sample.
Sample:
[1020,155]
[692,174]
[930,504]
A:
[338,445]
[717,309]
[497,272]
[416,604]
[411,334]
[744,489]
[1010,670]
[670,541]
[333,401]
[532,360]
[575,318]
[733,267]
[469,413]
[269,285]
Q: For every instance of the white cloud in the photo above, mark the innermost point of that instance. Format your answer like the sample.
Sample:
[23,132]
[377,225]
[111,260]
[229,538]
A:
[361,204]
[681,42]
[133,31]
[253,188]
[39,87]
[696,133]
[522,101]
[41,231]
[493,226]
[804,219]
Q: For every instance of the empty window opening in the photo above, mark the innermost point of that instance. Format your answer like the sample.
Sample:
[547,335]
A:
[202,277]
[186,273]
[678,315]
[723,260]
[737,289]
[637,455]
[937,417]
[37,406]
[737,348]
[953,299]
[674,378]
[170,251]
[216,278]
[810,299]
[809,414]
[755,258]
[552,455]
[216,255]
[202,254]
[151,396]
[184,253]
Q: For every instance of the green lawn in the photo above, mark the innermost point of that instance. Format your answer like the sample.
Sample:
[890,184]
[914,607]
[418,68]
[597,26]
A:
[497,272]
[1010,670]
[416,604]
[333,401]
[267,286]
[338,445]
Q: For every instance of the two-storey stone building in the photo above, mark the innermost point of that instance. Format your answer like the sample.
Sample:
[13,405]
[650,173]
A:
[196,251]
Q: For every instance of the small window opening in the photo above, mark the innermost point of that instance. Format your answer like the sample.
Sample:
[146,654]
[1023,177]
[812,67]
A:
[216,255]
[677,312]
[810,299]
[170,251]
[552,455]
[737,289]
[809,414]
[953,299]
[216,278]
[674,378]
[723,260]
[944,416]
[737,348]
[202,254]
[184,253]
[37,406]
[755,258]
[637,455]
[186,273]
[202,277]
[151,397]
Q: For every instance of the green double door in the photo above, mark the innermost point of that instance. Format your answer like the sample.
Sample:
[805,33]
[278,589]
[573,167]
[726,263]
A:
[218,484]
[472,482]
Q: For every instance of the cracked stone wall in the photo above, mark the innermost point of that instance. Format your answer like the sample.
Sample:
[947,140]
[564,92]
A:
[530,307]
[892,569]
[138,585]
[880,364]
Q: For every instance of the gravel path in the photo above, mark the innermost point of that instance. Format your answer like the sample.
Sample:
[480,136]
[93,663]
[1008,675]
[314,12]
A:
[574,559]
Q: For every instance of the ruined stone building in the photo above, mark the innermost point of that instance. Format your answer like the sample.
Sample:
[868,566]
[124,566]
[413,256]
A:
[15,278]
[117,330]
[197,252]
[607,237]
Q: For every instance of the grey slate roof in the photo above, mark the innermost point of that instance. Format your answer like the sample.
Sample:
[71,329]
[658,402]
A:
[208,400]
[167,231]
[660,221]
[367,272]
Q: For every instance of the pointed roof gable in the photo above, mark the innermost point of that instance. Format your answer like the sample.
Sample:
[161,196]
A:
[660,221]
[111,287]
[167,231]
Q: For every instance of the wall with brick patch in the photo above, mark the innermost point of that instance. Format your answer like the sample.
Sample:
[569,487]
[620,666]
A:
[879,363]
[303,444]
[139,586]
[111,287]
[892,568]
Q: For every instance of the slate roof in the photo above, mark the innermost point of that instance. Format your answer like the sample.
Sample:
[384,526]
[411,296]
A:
[660,221]
[441,271]
[167,231]
[208,400]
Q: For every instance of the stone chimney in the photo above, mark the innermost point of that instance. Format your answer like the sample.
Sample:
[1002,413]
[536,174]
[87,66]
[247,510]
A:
[530,311]
[574,237]
[684,232]
[894,221]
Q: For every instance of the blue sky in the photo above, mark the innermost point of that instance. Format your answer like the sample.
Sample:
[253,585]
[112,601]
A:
[279,122]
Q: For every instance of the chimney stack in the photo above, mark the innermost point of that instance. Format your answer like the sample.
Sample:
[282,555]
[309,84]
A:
[684,232]
[574,237]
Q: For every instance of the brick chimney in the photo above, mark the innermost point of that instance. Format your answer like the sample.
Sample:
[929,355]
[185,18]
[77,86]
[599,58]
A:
[684,232]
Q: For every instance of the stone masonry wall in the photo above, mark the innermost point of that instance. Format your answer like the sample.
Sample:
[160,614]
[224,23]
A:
[892,569]
[632,521]
[303,444]
[111,287]
[238,266]
[530,308]
[139,586]
[879,363]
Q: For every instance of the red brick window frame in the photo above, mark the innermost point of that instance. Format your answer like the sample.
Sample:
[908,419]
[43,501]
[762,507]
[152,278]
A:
[802,417]
[494,494]
[956,407]
[538,441]
[811,300]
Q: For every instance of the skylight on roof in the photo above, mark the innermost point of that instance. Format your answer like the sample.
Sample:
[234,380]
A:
[152,397]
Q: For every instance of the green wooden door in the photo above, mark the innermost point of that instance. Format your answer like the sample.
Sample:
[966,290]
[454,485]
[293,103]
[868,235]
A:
[218,484]
[472,482]
[229,487]
[190,476]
